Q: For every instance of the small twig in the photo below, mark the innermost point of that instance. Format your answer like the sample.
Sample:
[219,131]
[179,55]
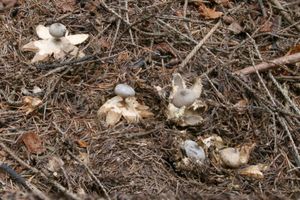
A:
[19,179]
[262,7]
[13,174]
[9,101]
[261,98]
[115,37]
[44,176]
[91,173]
[104,5]
[284,13]
[199,45]
[297,157]
[185,24]
[54,65]
[294,58]
[127,19]
[287,98]
[257,73]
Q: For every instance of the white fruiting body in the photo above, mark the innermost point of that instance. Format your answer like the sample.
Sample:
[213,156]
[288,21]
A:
[57,30]
[230,157]
[193,150]
[124,90]
[184,97]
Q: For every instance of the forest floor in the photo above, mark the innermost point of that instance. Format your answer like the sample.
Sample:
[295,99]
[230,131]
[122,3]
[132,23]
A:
[60,149]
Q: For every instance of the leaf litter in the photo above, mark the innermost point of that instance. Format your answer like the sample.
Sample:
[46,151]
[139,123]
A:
[145,157]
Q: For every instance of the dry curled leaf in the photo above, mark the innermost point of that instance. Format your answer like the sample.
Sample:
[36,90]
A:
[213,141]
[254,171]
[235,27]
[266,26]
[241,106]
[294,49]
[65,5]
[33,142]
[55,163]
[49,46]
[82,144]
[30,104]
[129,108]
[6,4]
[209,13]
[222,2]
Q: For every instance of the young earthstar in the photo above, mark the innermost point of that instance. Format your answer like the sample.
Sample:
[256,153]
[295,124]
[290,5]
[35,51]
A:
[185,107]
[54,41]
[124,104]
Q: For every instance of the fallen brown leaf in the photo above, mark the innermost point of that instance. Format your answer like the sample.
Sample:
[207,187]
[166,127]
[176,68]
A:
[235,27]
[55,163]
[5,4]
[266,27]
[33,142]
[241,106]
[209,13]
[30,104]
[65,5]
[82,144]
[222,2]
[294,49]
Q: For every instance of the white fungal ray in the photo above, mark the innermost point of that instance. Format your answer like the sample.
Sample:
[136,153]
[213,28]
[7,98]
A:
[49,45]
[129,108]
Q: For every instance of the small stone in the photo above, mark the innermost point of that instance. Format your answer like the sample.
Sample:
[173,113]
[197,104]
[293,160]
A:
[124,90]
[193,150]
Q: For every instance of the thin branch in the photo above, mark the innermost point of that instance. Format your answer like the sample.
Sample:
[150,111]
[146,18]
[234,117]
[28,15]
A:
[199,45]
[291,59]
[44,176]
[297,157]
[284,13]
[287,98]
[91,173]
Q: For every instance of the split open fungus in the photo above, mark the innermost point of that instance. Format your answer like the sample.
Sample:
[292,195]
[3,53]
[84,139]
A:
[185,107]
[124,104]
[54,41]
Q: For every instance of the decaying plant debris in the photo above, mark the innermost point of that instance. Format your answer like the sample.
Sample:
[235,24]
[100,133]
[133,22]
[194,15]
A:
[145,44]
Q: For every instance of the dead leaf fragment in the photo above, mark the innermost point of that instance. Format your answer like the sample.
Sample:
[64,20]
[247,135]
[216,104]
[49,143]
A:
[49,46]
[214,140]
[55,163]
[235,27]
[209,13]
[222,2]
[82,144]
[84,157]
[6,4]
[266,27]
[65,5]
[241,106]
[254,171]
[30,104]
[294,49]
[33,142]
